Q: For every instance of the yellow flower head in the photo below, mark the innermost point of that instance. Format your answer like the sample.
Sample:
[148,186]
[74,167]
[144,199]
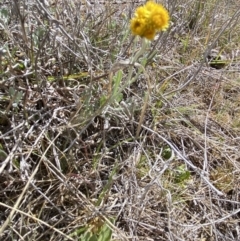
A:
[149,19]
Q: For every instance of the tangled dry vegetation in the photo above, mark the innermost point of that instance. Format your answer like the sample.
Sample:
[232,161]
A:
[73,168]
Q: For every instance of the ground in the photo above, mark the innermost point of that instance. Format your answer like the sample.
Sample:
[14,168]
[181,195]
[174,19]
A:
[93,147]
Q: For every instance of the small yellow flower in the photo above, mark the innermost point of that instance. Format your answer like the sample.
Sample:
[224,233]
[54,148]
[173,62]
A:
[149,19]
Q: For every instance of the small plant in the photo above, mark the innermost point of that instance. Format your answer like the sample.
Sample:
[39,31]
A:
[15,96]
[181,174]
[96,230]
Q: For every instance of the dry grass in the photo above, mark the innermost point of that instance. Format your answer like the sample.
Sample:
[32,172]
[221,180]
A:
[73,166]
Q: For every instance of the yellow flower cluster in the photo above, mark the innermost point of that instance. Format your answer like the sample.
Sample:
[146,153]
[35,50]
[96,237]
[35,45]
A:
[149,19]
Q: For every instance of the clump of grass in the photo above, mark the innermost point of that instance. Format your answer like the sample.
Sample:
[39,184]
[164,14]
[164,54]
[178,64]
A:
[96,146]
